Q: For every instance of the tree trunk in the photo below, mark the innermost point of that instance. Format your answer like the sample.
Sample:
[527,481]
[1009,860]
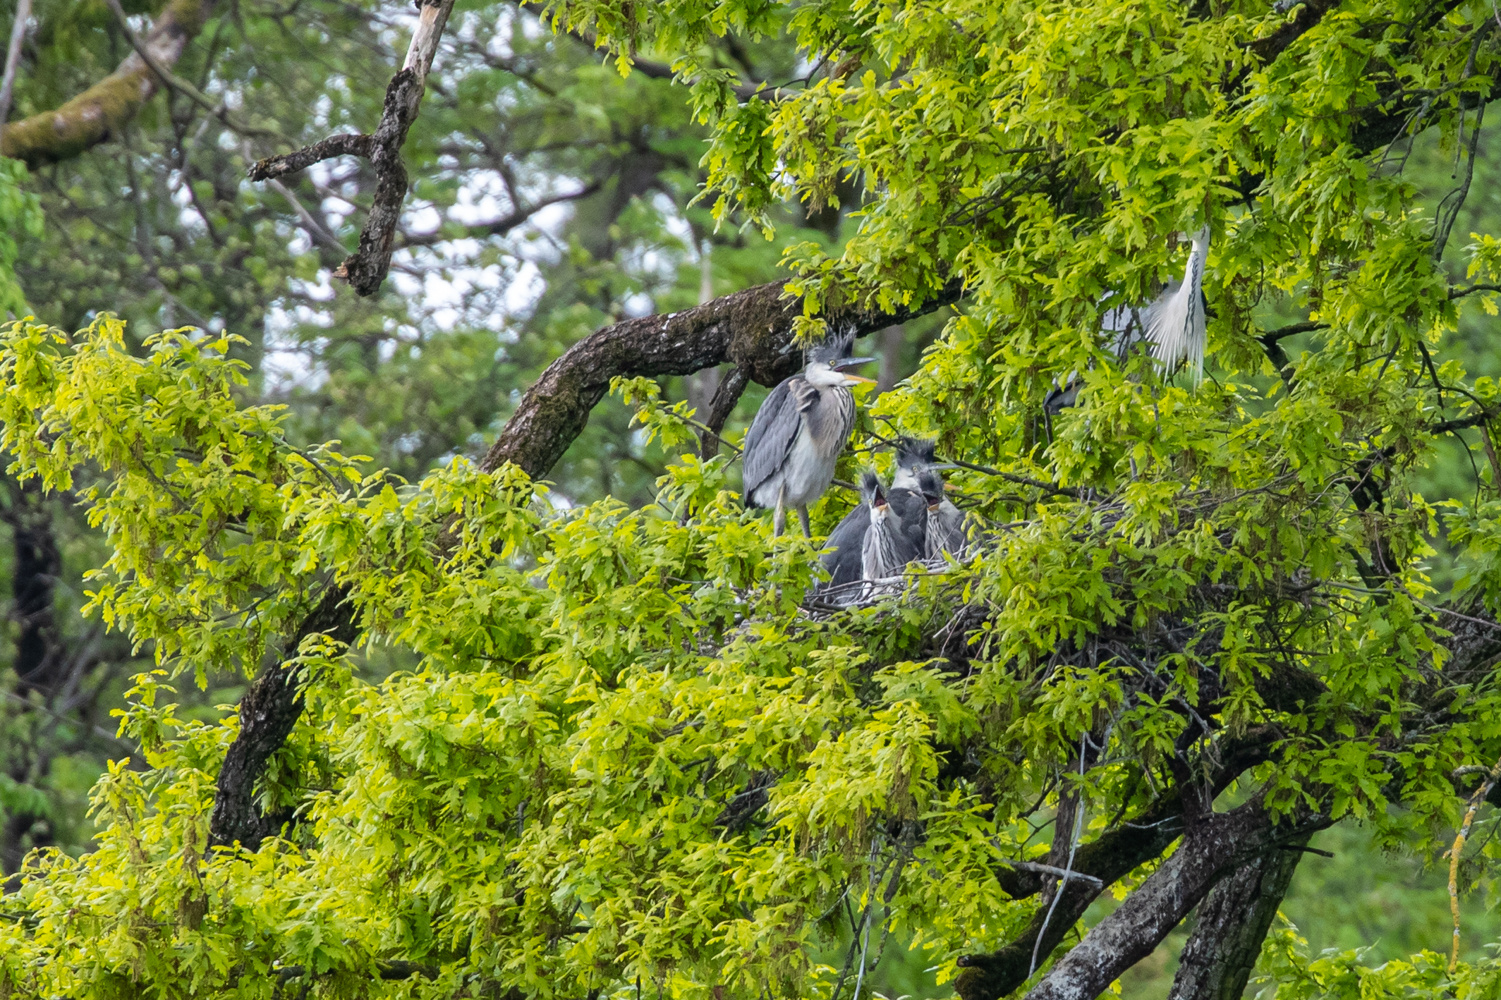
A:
[1226,940]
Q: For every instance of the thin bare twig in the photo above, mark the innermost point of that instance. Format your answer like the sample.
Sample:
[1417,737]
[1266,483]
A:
[1493,776]
[13,57]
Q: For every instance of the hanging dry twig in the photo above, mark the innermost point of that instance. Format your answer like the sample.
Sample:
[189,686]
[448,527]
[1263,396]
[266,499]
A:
[366,269]
[1492,776]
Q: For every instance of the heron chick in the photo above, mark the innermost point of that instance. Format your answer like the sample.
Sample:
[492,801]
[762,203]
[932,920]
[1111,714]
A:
[917,469]
[798,433]
[946,531]
[845,556]
[894,538]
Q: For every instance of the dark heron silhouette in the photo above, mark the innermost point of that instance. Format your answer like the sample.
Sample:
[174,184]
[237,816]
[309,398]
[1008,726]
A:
[1172,325]
[799,431]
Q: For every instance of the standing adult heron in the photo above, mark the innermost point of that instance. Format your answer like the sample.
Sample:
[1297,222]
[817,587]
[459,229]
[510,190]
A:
[1173,325]
[798,433]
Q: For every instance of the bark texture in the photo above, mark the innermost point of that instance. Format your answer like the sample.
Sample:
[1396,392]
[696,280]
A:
[366,269]
[98,114]
[268,711]
[1115,854]
[1211,848]
[750,329]
[1216,962]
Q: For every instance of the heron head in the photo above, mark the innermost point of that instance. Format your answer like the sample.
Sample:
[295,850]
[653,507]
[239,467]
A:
[914,453]
[872,493]
[827,361]
[931,487]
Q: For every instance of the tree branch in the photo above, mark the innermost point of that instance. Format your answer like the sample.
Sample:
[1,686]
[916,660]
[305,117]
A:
[1112,856]
[97,114]
[268,711]
[1307,16]
[1217,961]
[502,225]
[751,329]
[1209,849]
[344,144]
[367,268]
[720,407]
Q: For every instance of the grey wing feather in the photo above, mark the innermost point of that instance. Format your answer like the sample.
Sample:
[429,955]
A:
[846,541]
[770,436]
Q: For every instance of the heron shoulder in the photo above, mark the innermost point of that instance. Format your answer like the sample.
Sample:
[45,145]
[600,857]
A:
[771,434]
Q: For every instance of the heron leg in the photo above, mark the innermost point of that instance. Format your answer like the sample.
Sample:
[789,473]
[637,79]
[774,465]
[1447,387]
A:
[779,519]
[802,515]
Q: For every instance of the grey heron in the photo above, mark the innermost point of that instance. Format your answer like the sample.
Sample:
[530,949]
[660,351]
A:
[917,468]
[946,531]
[1172,324]
[798,433]
[894,536]
[845,558]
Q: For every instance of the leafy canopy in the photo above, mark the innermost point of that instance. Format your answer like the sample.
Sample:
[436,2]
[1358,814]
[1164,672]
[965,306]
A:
[627,756]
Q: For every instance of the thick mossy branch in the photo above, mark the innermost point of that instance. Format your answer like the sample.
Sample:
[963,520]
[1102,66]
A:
[98,114]
[750,329]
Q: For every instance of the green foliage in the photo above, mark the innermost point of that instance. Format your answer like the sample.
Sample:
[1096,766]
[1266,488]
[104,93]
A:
[623,753]
[20,213]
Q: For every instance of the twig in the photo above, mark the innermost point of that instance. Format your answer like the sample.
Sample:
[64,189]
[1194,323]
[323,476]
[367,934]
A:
[1459,194]
[1491,777]
[1073,846]
[1063,874]
[98,731]
[13,57]
[1292,329]
[344,144]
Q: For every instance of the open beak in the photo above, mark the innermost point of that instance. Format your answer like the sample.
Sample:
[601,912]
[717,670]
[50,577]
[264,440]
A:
[849,379]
